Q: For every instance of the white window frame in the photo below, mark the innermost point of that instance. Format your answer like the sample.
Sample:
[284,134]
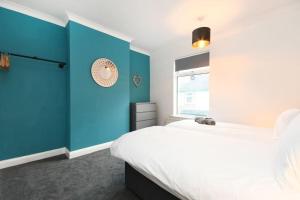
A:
[190,72]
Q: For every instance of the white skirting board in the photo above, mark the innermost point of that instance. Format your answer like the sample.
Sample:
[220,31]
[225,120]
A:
[52,153]
[88,150]
[31,158]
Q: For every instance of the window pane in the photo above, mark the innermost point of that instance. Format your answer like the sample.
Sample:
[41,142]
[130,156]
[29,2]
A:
[192,95]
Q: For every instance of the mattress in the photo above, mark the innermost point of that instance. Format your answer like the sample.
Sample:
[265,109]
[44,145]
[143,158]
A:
[225,162]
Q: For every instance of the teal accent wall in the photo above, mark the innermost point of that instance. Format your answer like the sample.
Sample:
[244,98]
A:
[43,107]
[140,65]
[97,114]
[32,93]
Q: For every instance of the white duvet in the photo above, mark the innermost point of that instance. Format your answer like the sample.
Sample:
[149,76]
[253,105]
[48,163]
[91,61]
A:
[226,162]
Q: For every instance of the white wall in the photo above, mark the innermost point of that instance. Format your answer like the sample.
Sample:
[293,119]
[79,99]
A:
[255,70]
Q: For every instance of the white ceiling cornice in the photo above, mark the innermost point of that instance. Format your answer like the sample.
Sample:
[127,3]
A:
[31,12]
[140,50]
[96,26]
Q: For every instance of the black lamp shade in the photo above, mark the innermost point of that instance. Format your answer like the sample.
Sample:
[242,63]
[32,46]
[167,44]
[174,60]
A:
[201,37]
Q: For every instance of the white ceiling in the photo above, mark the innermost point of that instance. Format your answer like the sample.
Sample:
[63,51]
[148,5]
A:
[154,23]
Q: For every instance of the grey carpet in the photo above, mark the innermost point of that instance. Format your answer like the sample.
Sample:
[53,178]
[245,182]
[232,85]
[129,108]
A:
[97,176]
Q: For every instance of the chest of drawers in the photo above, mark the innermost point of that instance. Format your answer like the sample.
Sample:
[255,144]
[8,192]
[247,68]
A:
[142,115]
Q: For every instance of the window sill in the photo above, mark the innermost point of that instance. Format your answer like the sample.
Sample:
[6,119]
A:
[188,116]
[184,116]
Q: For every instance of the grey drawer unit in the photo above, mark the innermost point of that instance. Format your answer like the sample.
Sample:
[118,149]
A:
[142,115]
[146,123]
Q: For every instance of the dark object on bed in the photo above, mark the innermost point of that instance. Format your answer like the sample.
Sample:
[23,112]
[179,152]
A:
[143,187]
[205,120]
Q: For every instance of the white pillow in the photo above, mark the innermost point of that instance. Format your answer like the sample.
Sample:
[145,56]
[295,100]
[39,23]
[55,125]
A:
[283,121]
[288,157]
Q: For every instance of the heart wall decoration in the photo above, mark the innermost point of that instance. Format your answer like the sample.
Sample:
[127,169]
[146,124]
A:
[137,80]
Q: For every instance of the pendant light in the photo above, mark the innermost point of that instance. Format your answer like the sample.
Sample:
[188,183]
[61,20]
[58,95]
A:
[201,37]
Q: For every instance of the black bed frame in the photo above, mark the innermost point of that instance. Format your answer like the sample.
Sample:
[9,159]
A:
[144,188]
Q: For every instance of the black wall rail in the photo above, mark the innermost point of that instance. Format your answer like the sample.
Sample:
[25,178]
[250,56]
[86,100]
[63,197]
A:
[60,64]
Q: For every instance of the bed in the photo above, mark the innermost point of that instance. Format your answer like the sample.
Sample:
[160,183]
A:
[185,160]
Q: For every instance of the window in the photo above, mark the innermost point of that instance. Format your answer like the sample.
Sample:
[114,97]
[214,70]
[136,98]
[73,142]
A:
[192,92]
[191,85]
